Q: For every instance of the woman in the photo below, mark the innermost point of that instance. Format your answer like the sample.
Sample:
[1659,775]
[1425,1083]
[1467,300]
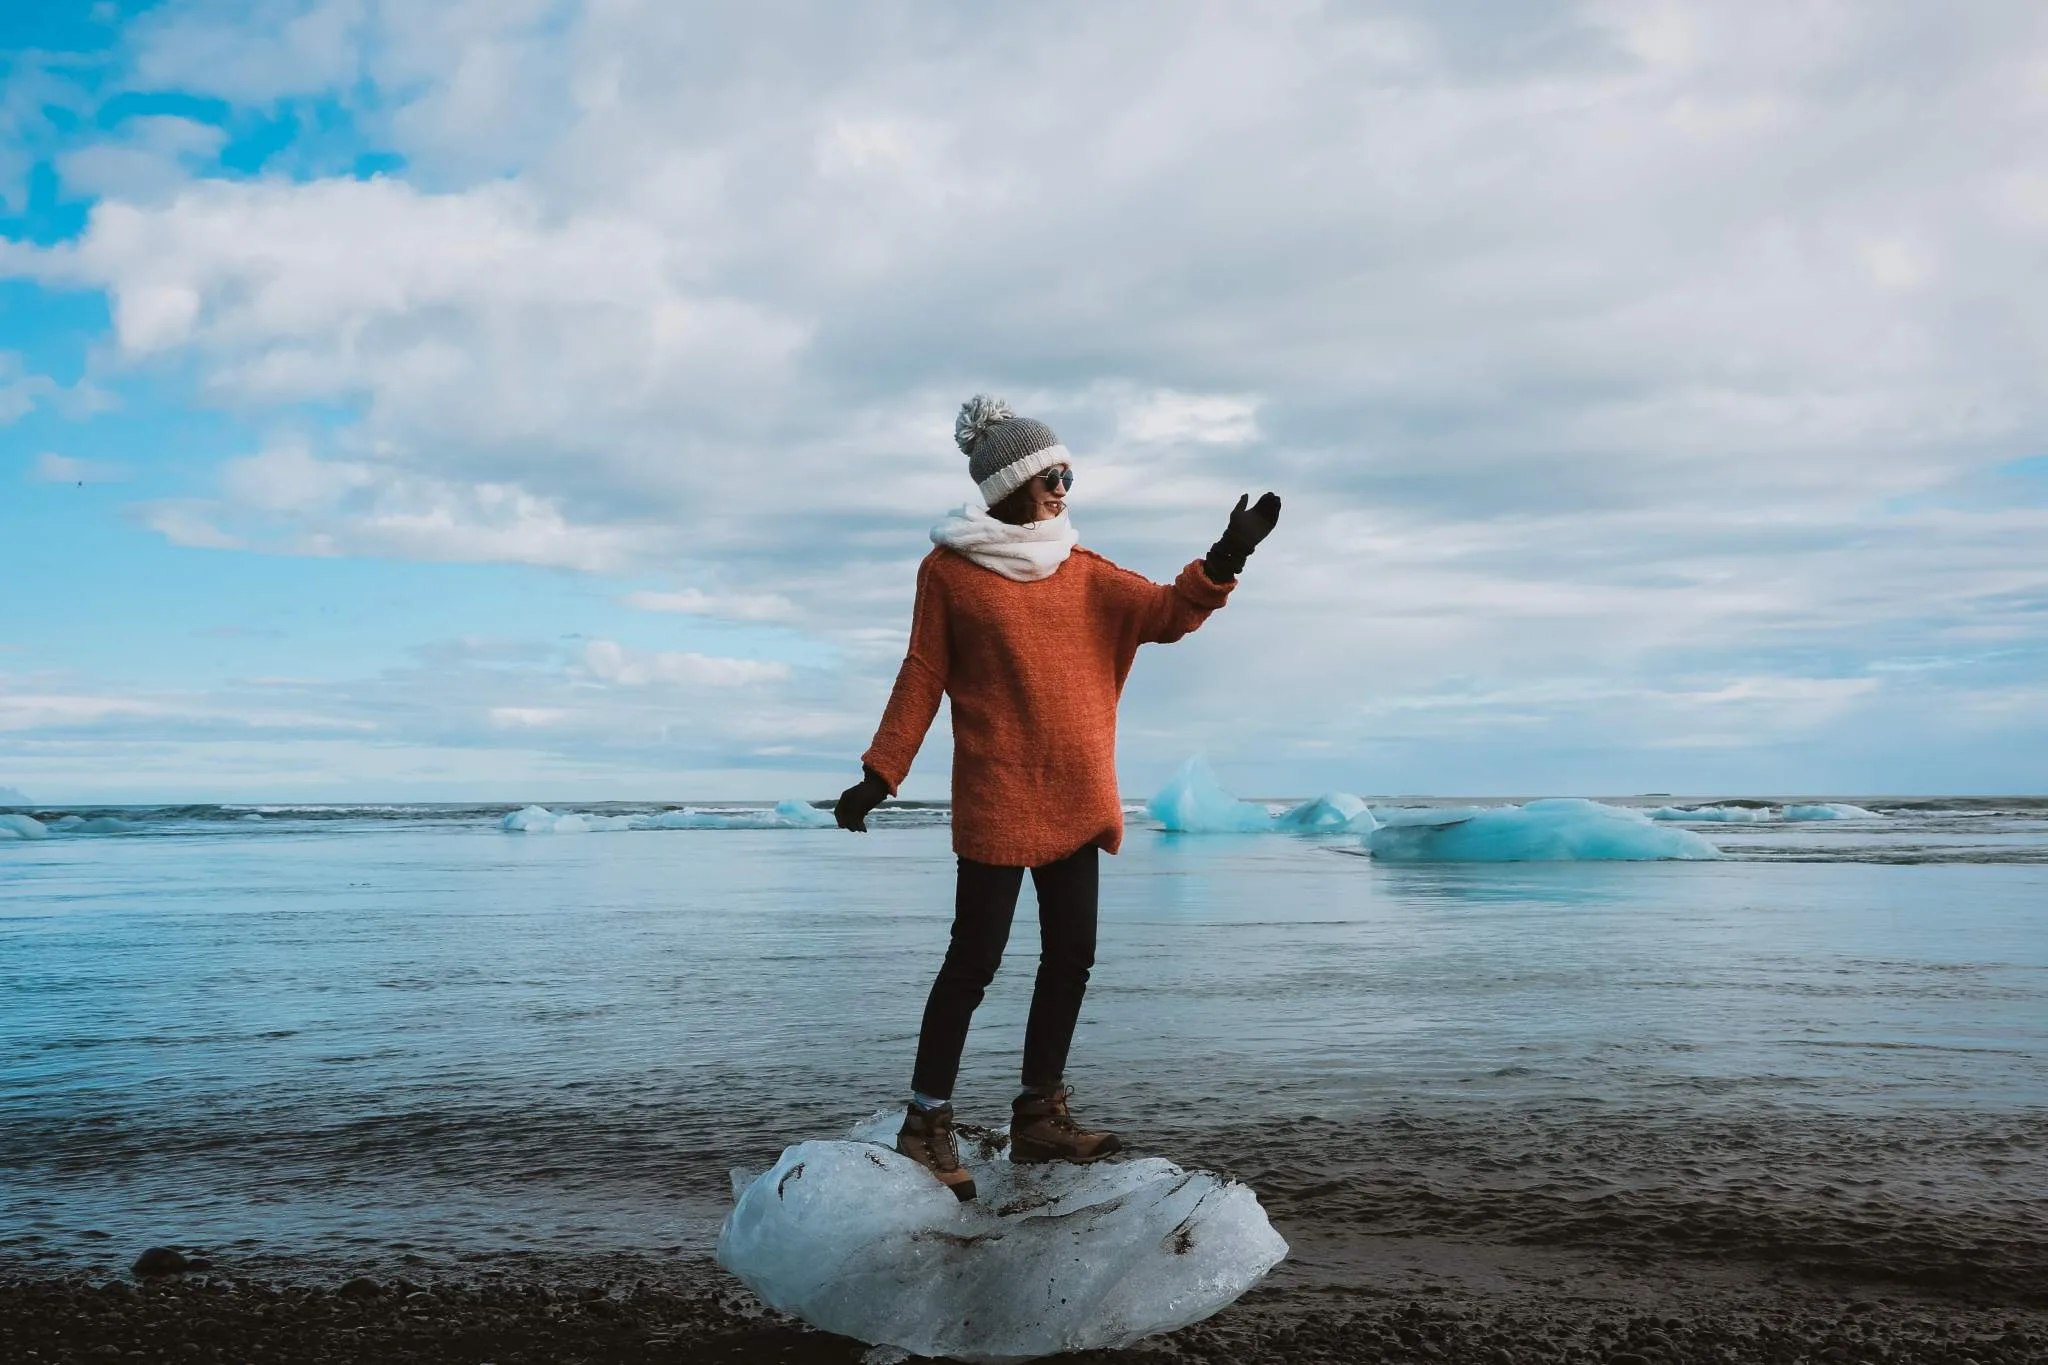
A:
[1032,638]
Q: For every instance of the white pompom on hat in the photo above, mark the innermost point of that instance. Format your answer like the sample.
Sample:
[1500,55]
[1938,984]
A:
[1004,450]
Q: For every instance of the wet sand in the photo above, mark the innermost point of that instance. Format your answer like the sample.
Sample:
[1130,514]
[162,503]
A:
[1390,1299]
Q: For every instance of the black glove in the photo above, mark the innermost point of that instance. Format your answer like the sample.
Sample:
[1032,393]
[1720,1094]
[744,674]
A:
[856,801]
[1247,528]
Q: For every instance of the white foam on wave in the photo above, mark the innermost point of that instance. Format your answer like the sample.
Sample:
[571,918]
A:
[786,815]
[1759,815]
[1564,829]
[856,1239]
[1719,815]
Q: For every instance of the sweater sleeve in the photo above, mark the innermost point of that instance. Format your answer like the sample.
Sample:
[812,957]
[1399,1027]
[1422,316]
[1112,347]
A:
[920,683]
[1160,613]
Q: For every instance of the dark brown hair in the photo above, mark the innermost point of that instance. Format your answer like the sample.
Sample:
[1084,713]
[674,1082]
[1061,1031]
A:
[1017,507]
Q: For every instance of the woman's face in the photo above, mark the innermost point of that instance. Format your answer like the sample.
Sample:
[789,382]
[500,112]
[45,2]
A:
[1047,500]
[1034,500]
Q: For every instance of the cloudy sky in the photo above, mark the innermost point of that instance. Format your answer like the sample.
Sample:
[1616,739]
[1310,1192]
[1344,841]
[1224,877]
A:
[527,400]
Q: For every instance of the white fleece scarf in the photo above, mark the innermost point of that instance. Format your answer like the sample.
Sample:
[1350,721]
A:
[1024,553]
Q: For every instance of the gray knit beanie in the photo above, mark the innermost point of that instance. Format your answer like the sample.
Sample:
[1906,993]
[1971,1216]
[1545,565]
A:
[1004,450]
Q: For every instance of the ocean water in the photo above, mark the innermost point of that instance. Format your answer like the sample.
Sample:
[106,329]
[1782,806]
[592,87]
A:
[342,1036]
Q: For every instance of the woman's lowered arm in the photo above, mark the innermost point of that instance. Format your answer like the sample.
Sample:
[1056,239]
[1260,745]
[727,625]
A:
[920,684]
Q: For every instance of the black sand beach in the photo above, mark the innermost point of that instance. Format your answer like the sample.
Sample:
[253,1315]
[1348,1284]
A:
[420,1090]
[1372,1300]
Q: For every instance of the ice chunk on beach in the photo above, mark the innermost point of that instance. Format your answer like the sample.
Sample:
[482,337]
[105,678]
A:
[1829,810]
[856,1239]
[786,815]
[22,827]
[1720,815]
[1560,830]
[1194,802]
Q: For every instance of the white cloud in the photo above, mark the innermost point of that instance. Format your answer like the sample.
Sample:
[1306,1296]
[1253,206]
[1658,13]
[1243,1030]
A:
[50,467]
[186,524]
[150,156]
[613,663]
[285,500]
[21,711]
[288,479]
[731,607]
[1168,418]
[525,717]
[253,54]
[1620,347]
[20,392]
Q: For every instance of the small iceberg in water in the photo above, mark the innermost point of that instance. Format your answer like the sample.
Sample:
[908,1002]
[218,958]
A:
[1559,830]
[856,1239]
[98,824]
[786,815]
[1756,815]
[1337,810]
[22,827]
[1194,802]
[1719,815]
[1830,810]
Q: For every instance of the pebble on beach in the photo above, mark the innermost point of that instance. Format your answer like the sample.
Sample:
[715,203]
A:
[161,1261]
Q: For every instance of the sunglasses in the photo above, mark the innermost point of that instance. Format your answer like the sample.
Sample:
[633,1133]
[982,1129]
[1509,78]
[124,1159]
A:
[1059,480]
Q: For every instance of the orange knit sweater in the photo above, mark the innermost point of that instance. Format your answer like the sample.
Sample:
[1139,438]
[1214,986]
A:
[1034,671]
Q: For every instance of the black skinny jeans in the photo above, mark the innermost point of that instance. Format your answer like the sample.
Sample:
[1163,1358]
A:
[983,905]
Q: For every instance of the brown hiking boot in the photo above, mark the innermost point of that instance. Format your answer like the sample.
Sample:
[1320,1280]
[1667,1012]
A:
[927,1139]
[1042,1129]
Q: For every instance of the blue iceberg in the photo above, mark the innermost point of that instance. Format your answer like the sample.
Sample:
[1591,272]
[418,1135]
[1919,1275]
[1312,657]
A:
[22,827]
[1830,810]
[1194,802]
[1334,811]
[1559,830]
[99,824]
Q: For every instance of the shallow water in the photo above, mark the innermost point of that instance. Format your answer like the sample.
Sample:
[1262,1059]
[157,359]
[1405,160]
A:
[349,1034]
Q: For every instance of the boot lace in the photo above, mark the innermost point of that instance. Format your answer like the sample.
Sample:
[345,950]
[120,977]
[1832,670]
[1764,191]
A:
[1060,1117]
[939,1135]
